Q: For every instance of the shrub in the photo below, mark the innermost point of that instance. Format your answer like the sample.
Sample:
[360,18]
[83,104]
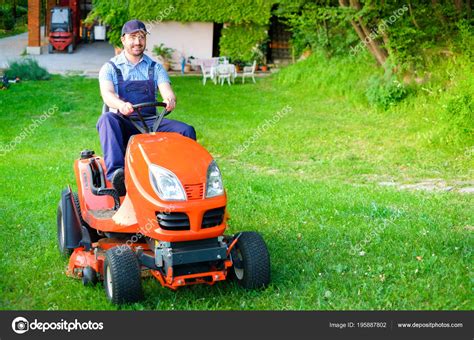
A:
[7,22]
[26,69]
[457,109]
[241,42]
[385,91]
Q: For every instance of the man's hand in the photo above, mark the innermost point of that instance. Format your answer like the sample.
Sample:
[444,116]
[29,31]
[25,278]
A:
[170,103]
[126,109]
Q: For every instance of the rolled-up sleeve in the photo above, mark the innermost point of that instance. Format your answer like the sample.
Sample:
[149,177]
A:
[161,76]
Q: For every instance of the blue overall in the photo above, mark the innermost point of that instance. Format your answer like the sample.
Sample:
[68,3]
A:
[115,130]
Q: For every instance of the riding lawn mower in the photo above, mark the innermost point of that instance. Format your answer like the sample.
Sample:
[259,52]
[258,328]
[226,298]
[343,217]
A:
[170,224]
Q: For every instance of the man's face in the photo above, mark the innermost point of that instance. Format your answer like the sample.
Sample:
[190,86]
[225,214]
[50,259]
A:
[134,43]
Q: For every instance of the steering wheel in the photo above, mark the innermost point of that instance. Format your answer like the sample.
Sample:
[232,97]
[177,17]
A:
[159,116]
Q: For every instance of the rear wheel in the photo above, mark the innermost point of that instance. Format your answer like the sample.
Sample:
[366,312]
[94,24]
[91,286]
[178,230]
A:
[122,276]
[251,261]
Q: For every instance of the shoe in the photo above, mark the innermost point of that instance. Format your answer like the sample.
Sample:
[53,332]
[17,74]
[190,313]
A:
[118,182]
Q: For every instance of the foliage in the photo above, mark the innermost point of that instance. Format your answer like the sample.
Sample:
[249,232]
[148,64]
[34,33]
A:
[223,11]
[316,26]
[244,14]
[26,69]
[165,52]
[385,91]
[456,106]
[407,32]
[465,38]
[460,109]
[336,76]
[7,21]
[242,42]
[112,13]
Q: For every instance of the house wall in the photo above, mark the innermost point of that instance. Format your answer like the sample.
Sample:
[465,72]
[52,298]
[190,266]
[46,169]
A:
[192,39]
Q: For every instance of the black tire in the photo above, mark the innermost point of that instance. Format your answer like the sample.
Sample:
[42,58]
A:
[122,276]
[66,252]
[70,48]
[50,48]
[251,260]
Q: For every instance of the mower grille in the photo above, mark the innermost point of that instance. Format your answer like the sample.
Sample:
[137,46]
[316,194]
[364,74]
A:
[194,191]
[213,218]
[173,221]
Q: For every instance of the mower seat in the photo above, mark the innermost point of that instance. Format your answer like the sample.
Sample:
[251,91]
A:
[98,183]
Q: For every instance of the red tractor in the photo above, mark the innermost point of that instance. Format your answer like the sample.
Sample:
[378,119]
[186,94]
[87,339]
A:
[64,26]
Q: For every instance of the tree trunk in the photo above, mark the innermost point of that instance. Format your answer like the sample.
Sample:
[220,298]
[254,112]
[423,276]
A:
[412,16]
[379,53]
[14,9]
[459,5]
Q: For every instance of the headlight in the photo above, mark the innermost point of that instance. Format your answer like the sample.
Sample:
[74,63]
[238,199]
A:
[166,184]
[214,186]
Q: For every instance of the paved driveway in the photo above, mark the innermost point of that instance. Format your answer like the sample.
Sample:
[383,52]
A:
[86,59]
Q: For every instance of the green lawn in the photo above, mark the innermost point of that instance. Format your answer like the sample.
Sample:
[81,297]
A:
[308,183]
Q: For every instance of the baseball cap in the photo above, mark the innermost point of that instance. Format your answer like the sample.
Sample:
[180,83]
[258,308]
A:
[133,26]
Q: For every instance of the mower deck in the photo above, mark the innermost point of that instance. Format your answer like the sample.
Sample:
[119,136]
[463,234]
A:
[94,258]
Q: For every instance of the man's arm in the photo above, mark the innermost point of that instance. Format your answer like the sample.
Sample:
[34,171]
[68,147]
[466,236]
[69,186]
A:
[168,95]
[111,98]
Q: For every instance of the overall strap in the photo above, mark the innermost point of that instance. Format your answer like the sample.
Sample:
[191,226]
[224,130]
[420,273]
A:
[151,71]
[117,71]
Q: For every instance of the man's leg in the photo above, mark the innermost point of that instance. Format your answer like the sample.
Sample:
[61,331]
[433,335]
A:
[169,125]
[114,133]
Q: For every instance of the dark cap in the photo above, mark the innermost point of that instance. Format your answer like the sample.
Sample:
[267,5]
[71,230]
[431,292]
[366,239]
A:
[133,26]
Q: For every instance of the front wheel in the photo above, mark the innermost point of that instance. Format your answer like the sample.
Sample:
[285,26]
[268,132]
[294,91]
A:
[122,276]
[251,261]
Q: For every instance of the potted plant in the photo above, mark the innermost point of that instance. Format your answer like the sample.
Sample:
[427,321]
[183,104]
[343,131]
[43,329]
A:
[163,55]
[239,65]
[259,55]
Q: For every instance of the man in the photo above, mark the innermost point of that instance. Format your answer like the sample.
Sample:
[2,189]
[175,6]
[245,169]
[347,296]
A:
[127,79]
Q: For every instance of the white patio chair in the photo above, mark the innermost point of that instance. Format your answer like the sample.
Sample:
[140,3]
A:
[207,70]
[224,72]
[249,71]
